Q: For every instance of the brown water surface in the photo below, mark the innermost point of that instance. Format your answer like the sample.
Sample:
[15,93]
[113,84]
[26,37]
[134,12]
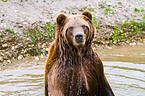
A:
[124,67]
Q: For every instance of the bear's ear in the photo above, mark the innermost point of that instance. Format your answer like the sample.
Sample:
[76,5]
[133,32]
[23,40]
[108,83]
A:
[88,14]
[60,19]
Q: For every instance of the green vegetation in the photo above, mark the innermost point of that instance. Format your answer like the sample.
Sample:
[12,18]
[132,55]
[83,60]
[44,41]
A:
[34,41]
[91,9]
[108,10]
[96,24]
[50,27]
[101,5]
[142,10]
[118,35]
[144,16]
[125,33]
[4,0]
[11,31]
[73,13]
[120,3]
[136,10]
[39,36]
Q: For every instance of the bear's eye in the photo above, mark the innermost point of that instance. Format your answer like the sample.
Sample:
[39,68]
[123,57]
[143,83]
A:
[85,28]
[70,29]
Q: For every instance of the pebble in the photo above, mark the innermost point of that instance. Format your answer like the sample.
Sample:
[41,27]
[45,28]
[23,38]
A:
[8,61]
[37,58]
[20,57]
[47,49]
[4,45]
[42,56]
[109,47]
[1,58]
[142,54]
[25,23]
[13,48]
[47,20]
[132,43]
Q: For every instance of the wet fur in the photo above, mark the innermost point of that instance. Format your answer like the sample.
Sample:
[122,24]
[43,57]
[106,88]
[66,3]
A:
[66,75]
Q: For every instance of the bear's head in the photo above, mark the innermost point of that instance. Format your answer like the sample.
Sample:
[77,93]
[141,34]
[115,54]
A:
[77,30]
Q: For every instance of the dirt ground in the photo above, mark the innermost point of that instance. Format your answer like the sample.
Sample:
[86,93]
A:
[19,14]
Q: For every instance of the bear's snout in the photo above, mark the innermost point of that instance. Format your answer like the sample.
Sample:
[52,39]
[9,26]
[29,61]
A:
[79,38]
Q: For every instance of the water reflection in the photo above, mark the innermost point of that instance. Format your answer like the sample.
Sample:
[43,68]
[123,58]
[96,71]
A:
[23,80]
[126,79]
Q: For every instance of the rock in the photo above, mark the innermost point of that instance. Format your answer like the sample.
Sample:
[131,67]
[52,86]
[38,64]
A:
[42,56]
[6,57]
[47,20]
[13,48]
[20,25]
[37,58]
[109,47]
[1,58]
[25,23]
[4,45]
[47,49]
[8,61]
[133,43]
[20,57]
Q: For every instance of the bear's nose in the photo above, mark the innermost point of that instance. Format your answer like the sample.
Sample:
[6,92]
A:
[79,37]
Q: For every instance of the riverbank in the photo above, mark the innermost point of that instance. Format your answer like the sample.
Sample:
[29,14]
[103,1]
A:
[23,33]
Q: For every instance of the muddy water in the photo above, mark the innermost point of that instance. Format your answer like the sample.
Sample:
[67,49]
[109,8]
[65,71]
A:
[124,68]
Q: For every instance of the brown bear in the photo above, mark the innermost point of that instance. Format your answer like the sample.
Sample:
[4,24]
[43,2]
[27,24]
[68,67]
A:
[73,68]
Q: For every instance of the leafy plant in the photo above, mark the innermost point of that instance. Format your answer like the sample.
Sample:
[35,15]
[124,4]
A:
[91,9]
[108,9]
[136,10]
[144,16]
[118,35]
[113,13]
[101,5]
[73,13]
[120,3]
[142,10]
[10,30]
